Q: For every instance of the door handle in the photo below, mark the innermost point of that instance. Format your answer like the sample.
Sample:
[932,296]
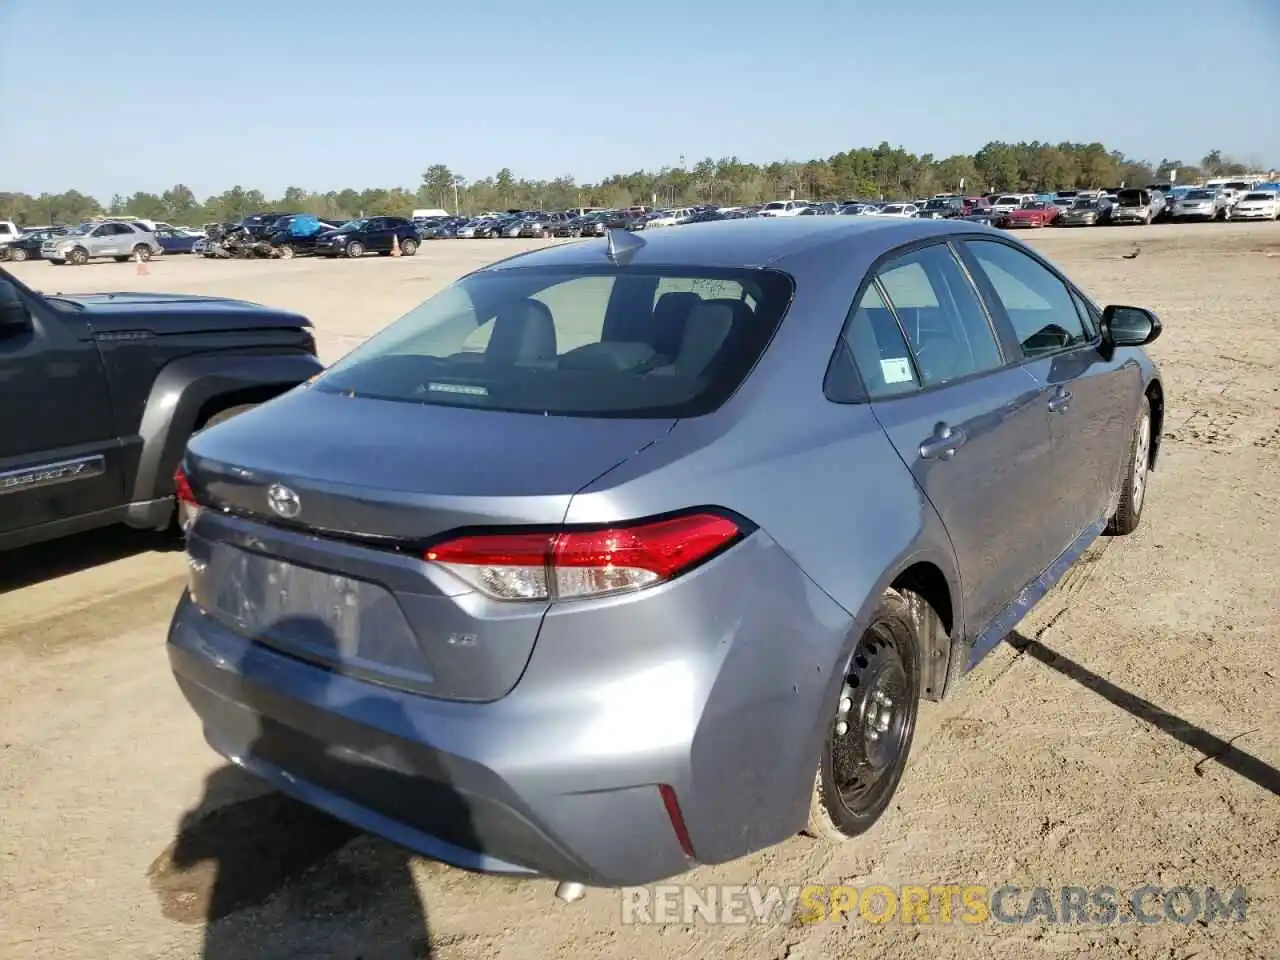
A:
[1060,401]
[944,443]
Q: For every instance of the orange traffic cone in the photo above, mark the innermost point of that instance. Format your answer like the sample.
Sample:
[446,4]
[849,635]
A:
[395,245]
[143,269]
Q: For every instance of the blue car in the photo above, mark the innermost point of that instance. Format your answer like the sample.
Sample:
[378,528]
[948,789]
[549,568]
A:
[176,241]
[627,555]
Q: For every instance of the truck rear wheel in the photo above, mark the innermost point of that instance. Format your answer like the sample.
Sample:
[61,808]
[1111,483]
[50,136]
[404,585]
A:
[218,416]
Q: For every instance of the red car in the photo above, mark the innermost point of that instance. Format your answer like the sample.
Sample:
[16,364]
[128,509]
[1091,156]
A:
[1037,213]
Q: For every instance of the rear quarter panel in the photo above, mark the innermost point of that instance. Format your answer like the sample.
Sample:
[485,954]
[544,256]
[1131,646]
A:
[825,485]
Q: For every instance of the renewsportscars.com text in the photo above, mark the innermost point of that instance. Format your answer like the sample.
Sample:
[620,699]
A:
[931,904]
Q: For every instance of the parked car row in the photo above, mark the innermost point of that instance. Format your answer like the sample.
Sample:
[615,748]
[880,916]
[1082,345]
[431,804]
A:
[288,235]
[122,239]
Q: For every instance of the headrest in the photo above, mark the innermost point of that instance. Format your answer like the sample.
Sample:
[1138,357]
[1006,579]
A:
[523,332]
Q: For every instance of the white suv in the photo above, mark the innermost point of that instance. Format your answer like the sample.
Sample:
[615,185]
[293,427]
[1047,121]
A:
[9,232]
[121,239]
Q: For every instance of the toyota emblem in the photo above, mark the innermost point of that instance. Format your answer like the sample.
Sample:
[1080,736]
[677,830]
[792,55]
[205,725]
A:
[283,501]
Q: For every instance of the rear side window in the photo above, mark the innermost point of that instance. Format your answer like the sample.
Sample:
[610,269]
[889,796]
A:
[879,349]
[1038,304]
[575,341]
[939,311]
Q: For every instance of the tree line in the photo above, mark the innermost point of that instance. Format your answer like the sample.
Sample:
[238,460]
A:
[881,172]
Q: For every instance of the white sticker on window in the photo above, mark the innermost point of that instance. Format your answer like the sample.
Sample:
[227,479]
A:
[897,370]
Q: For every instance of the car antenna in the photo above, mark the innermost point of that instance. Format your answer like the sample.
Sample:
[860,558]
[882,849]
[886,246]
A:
[622,245]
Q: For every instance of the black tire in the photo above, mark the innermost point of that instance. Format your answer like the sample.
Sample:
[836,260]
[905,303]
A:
[174,529]
[355,249]
[409,248]
[142,252]
[17,254]
[78,256]
[873,721]
[1133,493]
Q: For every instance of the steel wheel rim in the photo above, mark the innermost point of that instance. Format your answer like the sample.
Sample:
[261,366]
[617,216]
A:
[1141,460]
[874,722]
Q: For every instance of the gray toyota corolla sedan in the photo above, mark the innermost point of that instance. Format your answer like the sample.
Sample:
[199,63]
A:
[631,554]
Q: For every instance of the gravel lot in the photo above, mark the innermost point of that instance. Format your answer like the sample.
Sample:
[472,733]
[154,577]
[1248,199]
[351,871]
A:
[1129,733]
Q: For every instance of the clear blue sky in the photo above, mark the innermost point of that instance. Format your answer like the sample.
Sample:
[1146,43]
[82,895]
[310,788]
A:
[113,98]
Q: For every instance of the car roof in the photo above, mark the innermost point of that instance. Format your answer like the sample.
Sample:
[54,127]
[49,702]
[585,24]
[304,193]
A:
[750,242]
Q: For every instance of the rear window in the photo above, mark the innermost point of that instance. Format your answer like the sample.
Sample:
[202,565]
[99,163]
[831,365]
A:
[580,341]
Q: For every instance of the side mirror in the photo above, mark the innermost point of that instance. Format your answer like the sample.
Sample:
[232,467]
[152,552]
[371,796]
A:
[14,315]
[1129,326]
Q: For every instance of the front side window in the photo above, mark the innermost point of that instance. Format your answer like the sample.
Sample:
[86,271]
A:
[1038,304]
[1087,314]
[574,341]
[941,315]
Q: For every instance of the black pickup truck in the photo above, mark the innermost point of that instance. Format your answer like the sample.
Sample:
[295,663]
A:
[99,394]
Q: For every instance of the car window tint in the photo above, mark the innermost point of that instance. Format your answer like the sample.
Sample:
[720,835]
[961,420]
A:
[941,315]
[1038,304]
[879,349]
[579,341]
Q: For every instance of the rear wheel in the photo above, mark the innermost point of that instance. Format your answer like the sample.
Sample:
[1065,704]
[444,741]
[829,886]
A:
[1134,491]
[872,722]
[142,252]
[17,254]
[355,249]
[409,248]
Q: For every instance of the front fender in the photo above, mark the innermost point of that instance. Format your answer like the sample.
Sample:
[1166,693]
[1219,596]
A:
[185,387]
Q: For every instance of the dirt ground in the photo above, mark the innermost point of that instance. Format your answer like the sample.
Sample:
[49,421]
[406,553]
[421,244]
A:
[1129,733]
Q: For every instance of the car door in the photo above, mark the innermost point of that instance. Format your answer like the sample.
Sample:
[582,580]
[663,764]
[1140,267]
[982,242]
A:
[59,456]
[378,235]
[102,240]
[1092,401]
[966,421]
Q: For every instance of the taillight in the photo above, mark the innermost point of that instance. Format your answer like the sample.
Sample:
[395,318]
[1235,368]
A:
[572,564]
[188,506]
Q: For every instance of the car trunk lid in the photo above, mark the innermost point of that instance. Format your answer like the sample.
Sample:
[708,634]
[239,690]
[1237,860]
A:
[343,581]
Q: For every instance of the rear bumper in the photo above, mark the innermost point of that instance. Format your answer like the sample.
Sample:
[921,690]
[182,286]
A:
[561,776]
